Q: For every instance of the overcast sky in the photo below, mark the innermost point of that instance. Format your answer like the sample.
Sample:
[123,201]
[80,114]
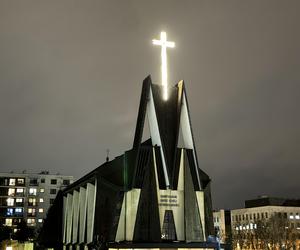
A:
[71,74]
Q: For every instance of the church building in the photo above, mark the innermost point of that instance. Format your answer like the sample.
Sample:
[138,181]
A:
[153,196]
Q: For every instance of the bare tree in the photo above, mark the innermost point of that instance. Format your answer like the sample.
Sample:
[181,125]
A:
[277,232]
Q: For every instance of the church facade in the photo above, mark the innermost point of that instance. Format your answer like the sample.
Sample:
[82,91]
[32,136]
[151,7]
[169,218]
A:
[153,196]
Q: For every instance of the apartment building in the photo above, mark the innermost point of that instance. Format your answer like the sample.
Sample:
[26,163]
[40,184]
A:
[28,196]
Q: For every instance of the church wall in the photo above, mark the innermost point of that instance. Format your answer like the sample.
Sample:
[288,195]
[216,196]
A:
[79,213]
[109,201]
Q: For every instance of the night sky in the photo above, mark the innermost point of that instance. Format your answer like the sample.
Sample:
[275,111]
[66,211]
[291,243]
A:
[71,75]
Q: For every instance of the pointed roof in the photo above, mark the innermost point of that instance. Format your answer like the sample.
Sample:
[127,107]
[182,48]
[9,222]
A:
[168,120]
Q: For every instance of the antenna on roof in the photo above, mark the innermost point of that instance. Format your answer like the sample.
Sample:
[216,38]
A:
[107,155]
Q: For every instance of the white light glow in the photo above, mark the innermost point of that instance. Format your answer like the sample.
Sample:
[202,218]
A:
[10,202]
[164,73]
[32,191]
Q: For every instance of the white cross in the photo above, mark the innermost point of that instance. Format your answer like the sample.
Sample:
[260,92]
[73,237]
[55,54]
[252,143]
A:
[164,74]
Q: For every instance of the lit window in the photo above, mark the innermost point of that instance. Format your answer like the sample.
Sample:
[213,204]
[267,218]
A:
[31,211]
[42,190]
[31,201]
[41,200]
[20,190]
[12,182]
[8,222]
[18,210]
[30,221]
[20,181]
[32,191]
[10,248]
[10,202]
[297,216]
[40,220]
[11,191]
[9,212]
[19,200]
[41,210]
[291,216]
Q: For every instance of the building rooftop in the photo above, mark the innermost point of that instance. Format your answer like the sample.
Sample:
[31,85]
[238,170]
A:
[272,201]
[25,173]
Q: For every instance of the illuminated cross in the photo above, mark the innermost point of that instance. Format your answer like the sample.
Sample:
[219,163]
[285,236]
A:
[164,74]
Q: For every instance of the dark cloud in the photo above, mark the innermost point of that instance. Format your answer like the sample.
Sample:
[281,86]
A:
[71,73]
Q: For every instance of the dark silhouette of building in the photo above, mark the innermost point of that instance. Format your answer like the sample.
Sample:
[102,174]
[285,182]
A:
[272,201]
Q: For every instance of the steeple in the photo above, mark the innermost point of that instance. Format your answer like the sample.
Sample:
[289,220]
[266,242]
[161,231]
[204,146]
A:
[167,120]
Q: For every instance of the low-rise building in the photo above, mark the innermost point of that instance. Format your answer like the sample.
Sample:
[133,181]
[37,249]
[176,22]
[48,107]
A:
[259,221]
[264,208]
[28,196]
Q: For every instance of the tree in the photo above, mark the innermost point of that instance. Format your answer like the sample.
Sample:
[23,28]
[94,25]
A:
[277,232]
[5,232]
[24,233]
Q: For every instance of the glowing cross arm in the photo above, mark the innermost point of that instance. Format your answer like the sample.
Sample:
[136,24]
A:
[156,42]
[170,44]
[161,43]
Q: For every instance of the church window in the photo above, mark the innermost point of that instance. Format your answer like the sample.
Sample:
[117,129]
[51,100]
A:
[168,229]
